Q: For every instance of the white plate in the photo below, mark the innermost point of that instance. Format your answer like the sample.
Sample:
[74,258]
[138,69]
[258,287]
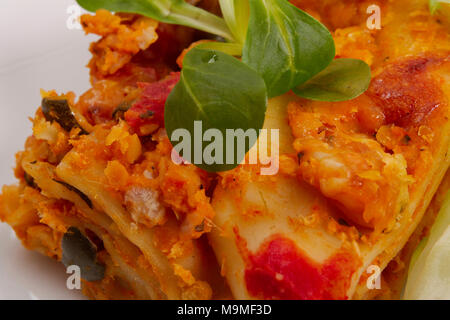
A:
[39,50]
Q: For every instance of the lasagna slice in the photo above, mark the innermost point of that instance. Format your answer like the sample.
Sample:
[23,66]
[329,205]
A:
[355,177]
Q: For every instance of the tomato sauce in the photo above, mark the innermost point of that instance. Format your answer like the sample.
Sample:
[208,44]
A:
[280,270]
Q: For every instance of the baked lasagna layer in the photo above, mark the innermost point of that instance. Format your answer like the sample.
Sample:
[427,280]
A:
[96,178]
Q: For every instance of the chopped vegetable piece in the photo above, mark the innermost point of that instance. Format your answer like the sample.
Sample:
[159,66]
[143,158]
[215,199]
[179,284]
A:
[149,109]
[119,112]
[429,274]
[30,181]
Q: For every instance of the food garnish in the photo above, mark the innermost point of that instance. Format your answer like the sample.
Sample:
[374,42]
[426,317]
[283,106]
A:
[280,46]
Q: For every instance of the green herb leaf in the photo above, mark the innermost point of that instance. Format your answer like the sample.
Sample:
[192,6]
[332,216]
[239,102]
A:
[342,80]
[236,14]
[435,4]
[285,45]
[221,92]
[167,11]
[233,49]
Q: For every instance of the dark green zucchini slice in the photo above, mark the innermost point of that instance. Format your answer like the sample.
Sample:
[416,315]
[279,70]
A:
[58,110]
[80,251]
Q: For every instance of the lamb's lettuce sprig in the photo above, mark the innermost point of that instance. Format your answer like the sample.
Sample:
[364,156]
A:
[281,47]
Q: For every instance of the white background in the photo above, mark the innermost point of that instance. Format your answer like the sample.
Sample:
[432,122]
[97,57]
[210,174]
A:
[37,50]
